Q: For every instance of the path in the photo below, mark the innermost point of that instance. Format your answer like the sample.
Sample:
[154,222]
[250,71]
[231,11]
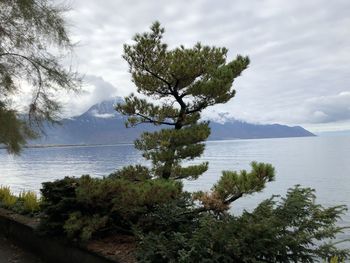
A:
[10,253]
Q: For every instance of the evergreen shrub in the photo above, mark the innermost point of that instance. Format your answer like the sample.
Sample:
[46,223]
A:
[82,207]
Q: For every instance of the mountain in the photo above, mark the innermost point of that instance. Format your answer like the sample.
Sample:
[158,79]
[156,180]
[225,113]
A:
[244,130]
[101,124]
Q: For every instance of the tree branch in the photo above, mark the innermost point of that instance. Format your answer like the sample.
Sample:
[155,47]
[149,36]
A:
[201,106]
[179,99]
[163,93]
[35,64]
[150,120]
[156,75]
[37,68]
[233,198]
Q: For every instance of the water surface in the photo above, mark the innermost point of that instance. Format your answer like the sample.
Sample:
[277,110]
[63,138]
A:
[322,163]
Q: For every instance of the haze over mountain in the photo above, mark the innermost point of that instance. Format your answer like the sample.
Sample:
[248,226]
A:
[101,124]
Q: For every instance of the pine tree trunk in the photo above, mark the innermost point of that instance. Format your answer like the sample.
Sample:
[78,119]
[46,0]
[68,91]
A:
[166,173]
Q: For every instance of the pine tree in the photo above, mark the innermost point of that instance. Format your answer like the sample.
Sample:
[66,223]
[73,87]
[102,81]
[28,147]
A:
[183,82]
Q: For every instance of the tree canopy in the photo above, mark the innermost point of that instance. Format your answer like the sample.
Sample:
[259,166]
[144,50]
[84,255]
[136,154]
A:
[33,42]
[185,81]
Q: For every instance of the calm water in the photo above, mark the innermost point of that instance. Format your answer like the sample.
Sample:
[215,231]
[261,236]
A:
[322,163]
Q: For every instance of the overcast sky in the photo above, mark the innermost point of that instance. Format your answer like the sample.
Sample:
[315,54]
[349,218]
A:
[299,51]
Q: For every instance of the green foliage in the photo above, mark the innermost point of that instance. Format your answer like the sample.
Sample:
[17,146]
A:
[58,202]
[26,203]
[126,199]
[7,199]
[176,213]
[83,226]
[82,207]
[289,230]
[185,81]
[233,185]
[171,146]
[132,173]
[30,33]
[29,202]
[336,259]
[13,131]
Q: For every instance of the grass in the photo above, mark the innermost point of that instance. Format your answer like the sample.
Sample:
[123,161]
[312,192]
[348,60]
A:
[27,202]
[30,201]
[7,199]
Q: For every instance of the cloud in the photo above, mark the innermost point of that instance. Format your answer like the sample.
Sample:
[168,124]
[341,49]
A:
[95,90]
[330,110]
[326,109]
[102,89]
[298,49]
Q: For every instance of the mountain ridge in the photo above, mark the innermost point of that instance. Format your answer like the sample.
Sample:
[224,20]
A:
[101,124]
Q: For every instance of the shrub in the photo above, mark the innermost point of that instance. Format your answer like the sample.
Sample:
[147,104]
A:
[58,202]
[289,230]
[83,226]
[82,207]
[29,202]
[7,199]
[26,203]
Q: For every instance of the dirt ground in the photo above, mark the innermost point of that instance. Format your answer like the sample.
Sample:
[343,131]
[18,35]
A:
[118,247]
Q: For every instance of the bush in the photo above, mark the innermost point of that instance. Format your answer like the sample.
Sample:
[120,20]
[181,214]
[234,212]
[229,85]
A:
[58,202]
[82,207]
[289,230]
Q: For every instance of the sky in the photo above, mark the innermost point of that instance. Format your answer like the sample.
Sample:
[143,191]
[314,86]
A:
[299,51]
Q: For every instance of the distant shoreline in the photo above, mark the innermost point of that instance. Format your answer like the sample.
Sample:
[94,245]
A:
[38,146]
[76,145]
[70,145]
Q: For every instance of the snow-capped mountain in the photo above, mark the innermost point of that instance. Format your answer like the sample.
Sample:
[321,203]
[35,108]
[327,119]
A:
[101,124]
[104,109]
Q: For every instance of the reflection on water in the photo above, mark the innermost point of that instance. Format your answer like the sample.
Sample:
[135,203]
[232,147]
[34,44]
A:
[318,162]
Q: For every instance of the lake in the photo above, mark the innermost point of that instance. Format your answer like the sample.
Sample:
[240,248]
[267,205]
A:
[322,163]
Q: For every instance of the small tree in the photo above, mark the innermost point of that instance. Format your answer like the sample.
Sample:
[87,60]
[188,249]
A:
[185,81]
[30,30]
